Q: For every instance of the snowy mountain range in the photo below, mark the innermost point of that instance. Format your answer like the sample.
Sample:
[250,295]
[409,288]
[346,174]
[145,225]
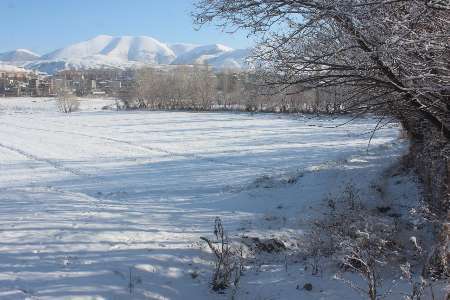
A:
[122,52]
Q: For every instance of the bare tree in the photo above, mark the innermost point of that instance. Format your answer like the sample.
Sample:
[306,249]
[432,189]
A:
[66,102]
[204,86]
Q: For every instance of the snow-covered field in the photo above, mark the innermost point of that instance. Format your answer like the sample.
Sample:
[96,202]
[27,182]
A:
[101,204]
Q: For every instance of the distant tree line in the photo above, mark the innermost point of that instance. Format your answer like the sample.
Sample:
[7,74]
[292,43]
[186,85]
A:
[200,88]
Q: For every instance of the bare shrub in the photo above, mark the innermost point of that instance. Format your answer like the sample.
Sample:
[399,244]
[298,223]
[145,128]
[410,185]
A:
[345,212]
[417,286]
[437,264]
[228,259]
[351,197]
[316,248]
[433,260]
[66,102]
[362,243]
[364,255]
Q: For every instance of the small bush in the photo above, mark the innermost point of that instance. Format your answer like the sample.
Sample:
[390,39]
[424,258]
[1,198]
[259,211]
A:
[228,259]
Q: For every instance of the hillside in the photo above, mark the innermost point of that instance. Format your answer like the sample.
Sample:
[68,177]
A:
[18,55]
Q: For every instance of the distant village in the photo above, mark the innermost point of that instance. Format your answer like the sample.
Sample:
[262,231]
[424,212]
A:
[99,82]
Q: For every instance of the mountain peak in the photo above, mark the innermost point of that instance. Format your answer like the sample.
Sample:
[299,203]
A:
[18,55]
[202,54]
[117,48]
[100,36]
[26,51]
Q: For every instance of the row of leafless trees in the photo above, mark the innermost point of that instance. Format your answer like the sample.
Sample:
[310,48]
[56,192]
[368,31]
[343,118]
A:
[200,88]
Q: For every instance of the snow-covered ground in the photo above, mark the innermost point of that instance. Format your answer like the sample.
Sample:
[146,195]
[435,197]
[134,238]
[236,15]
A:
[101,204]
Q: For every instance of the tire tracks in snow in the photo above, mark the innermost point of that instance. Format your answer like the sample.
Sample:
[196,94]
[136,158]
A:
[146,148]
[53,163]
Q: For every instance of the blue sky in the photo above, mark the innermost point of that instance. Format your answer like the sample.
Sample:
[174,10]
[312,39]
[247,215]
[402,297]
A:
[45,25]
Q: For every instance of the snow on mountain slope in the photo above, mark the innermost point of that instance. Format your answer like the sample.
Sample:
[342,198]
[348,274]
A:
[218,56]
[125,48]
[11,68]
[182,48]
[49,67]
[81,49]
[18,55]
[86,63]
[143,49]
[235,59]
[201,54]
